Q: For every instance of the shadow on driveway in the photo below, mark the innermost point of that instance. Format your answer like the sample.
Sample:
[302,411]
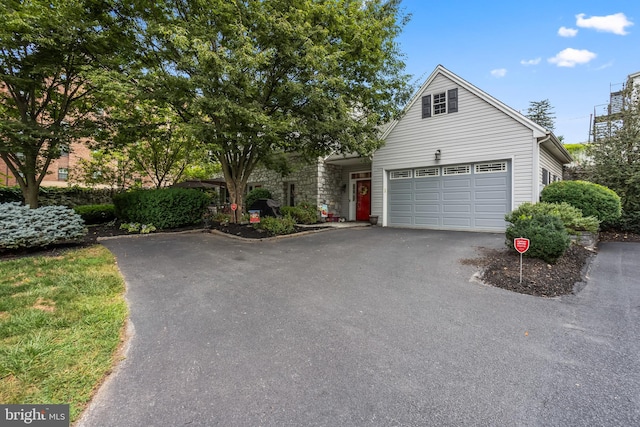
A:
[368,326]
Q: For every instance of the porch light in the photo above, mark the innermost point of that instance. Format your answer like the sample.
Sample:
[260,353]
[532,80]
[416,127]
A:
[438,153]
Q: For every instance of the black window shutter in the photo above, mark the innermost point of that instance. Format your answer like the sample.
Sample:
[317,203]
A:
[545,176]
[426,106]
[452,100]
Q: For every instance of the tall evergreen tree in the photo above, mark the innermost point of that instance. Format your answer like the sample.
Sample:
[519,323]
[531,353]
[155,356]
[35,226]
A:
[541,112]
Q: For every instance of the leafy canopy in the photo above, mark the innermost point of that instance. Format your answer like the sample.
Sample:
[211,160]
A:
[253,78]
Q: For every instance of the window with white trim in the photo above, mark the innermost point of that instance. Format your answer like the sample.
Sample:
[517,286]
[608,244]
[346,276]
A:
[426,172]
[456,170]
[404,174]
[492,167]
[63,174]
[440,103]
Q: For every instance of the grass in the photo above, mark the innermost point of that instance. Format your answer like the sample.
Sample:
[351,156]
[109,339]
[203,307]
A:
[61,321]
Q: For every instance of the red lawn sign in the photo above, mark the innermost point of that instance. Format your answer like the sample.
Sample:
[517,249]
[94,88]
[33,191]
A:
[522,245]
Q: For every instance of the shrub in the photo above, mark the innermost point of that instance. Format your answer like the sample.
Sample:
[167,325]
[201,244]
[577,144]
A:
[570,216]
[303,213]
[136,227]
[165,208]
[255,194]
[21,227]
[592,199]
[96,214]
[277,226]
[547,235]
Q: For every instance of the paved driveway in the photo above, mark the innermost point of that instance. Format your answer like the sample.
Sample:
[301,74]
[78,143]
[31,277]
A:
[366,327]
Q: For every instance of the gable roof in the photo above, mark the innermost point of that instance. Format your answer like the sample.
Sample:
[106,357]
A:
[545,137]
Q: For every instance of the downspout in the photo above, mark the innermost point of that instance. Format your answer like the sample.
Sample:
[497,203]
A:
[537,168]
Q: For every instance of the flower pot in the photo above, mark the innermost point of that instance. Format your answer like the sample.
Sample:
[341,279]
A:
[373,219]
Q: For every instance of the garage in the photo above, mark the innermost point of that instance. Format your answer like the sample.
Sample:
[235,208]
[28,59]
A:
[472,196]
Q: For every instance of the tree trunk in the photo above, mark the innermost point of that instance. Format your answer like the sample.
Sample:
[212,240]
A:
[30,194]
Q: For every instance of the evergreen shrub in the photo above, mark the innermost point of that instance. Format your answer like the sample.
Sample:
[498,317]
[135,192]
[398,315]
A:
[592,199]
[303,213]
[570,216]
[22,227]
[164,208]
[277,226]
[255,194]
[96,214]
[548,238]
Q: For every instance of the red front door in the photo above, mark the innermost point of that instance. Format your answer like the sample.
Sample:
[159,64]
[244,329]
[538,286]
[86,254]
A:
[363,200]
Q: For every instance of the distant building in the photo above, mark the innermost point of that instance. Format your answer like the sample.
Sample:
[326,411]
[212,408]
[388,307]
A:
[606,117]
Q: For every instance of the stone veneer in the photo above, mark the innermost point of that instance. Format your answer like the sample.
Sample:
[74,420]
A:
[318,182]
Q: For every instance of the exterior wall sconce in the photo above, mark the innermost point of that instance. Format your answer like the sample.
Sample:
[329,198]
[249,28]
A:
[438,154]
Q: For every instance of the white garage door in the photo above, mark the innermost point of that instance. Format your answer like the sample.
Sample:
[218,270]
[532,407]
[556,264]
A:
[457,197]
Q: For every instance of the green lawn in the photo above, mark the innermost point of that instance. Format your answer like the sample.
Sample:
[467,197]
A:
[61,321]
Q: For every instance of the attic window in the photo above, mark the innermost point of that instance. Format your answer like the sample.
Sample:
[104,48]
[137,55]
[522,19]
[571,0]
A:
[443,103]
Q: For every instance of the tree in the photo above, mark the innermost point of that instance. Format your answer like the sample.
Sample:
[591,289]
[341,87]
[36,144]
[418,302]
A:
[615,155]
[541,112]
[112,168]
[252,78]
[59,64]
[157,140]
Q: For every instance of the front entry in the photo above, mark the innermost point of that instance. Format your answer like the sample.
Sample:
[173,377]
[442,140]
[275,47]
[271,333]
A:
[363,200]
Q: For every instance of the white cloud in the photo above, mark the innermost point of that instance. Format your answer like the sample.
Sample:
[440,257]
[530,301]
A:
[499,72]
[615,24]
[535,61]
[572,57]
[567,32]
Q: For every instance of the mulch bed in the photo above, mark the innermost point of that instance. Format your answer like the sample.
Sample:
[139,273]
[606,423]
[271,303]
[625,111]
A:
[248,232]
[501,268]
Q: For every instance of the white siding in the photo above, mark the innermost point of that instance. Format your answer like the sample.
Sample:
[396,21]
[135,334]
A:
[477,132]
[548,162]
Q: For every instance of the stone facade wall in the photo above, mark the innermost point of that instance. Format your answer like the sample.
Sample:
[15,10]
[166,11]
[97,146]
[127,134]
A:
[330,188]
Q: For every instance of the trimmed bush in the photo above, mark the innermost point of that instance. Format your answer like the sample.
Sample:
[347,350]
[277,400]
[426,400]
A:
[277,226]
[303,213]
[21,227]
[570,216]
[164,208]
[255,194]
[547,235]
[592,199]
[96,214]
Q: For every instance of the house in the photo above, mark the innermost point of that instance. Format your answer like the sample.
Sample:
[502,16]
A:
[458,159]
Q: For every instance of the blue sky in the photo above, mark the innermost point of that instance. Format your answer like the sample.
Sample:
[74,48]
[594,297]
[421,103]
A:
[567,51]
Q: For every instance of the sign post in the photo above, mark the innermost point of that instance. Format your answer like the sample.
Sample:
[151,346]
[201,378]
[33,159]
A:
[522,245]
[235,215]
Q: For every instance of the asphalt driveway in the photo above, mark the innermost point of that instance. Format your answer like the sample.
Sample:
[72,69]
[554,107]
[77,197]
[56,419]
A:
[366,327]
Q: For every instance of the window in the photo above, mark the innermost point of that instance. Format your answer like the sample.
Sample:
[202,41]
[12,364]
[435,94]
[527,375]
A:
[545,176]
[63,174]
[491,167]
[457,170]
[426,172]
[443,103]
[439,103]
[64,150]
[291,194]
[405,174]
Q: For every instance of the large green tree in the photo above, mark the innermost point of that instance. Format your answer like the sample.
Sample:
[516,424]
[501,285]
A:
[615,155]
[60,61]
[252,78]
